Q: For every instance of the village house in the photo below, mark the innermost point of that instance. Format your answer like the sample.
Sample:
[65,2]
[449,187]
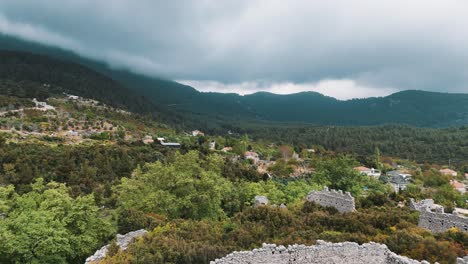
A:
[148,140]
[448,172]
[42,105]
[38,103]
[73,97]
[212,145]
[226,149]
[250,155]
[459,186]
[399,179]
[196,133]
[371,172]
[171,144]
[168,144]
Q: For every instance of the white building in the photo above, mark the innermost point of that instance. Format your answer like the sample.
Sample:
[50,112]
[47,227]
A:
[399,179]
[371,172]
[212,145]
[42,105]
[448,172]
[196,133]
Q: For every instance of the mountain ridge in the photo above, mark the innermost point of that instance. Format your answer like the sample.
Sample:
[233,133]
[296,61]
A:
[212,109]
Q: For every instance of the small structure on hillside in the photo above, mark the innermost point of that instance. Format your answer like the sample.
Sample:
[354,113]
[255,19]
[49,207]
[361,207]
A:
[459,186]
[42,105]
[226,149]
[251,155]
[260,201]
[371,172]
[72,97]
[448,172]
[343,202]
[163,142]
[212,145]
[148,140]
[197,133]
[399,179]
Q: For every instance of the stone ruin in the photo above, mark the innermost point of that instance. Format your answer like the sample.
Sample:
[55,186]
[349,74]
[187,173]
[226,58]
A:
[122,240]
[343,202]
[440,221]
[426,203]
[433,218]
[321,253]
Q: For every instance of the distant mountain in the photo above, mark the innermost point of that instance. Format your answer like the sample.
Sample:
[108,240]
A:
[192,108]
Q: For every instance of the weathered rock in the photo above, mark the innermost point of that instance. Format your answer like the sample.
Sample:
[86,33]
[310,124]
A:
[122,241]
[260,200]
[322,253]
[343,202]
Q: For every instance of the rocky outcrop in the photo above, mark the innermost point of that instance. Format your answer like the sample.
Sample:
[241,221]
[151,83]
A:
[260,200]
[122,241]
[321,253]
[343,202]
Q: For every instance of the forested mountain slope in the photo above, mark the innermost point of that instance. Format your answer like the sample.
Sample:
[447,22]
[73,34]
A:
[418,108]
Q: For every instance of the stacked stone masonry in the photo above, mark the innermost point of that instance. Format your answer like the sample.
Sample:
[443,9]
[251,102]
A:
[440,222]
[122,241]
[433,218]
[426,203]
[321,253]
[343,202]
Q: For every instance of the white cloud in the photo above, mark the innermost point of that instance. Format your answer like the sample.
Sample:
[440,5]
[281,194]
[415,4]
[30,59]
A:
[37,34]
[341,89]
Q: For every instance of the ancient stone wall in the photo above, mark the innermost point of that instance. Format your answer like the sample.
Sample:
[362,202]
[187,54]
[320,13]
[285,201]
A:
[343,202]
[440,222]
[321,253]
[122,241]
[433,218]
[426,203]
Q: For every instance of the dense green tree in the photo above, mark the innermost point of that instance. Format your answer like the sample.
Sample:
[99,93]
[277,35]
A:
[46,225]
[339,174]
[186,187]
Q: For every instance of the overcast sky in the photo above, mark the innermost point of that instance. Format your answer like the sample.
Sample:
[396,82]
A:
[345,49]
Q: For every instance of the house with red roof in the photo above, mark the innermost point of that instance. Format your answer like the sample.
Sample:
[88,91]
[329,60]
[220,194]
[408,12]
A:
[459,186]
[448,172]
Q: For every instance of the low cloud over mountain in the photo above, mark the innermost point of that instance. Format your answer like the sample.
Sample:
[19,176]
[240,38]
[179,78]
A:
[340,48]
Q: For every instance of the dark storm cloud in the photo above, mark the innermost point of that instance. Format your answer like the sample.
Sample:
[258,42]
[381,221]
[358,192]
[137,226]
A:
[364,47]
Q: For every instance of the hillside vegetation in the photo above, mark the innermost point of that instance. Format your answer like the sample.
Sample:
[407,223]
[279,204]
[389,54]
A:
[417,108]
